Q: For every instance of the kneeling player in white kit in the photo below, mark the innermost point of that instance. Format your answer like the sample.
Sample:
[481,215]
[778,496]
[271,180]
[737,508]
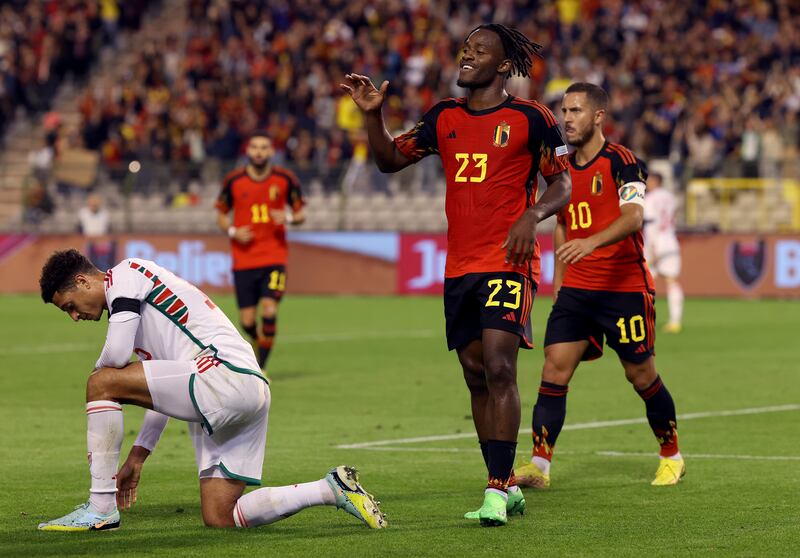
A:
[661,248]
[194,366]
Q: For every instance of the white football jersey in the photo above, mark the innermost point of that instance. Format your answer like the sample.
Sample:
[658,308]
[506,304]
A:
[178,321]
[659,212]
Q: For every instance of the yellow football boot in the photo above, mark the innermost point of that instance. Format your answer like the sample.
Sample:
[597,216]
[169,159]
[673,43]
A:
[530,476]
[669,472]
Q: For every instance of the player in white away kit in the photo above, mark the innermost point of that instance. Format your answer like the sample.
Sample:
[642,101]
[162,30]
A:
[194,366]
[661,248]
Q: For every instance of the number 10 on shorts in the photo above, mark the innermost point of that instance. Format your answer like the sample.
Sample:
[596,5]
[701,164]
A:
[636,327]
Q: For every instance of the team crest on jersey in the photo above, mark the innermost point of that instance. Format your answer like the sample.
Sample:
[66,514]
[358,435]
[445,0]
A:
[597,184]
[501,134]
[747,262]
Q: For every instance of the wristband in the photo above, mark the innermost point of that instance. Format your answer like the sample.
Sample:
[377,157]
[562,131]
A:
[231,231]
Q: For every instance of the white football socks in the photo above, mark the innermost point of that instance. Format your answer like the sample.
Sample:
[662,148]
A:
[675,302]
[104,434]
[271,504]
[542,463]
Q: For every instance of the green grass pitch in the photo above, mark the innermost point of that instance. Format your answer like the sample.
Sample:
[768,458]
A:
[352,370]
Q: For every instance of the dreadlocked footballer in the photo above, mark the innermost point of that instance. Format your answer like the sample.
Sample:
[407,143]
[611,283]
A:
[518,48]
[492,146]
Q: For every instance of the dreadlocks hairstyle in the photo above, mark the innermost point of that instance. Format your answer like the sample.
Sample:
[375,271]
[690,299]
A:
[58,274]
[518,48]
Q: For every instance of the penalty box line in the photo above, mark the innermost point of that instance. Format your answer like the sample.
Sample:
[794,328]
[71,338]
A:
[381,445]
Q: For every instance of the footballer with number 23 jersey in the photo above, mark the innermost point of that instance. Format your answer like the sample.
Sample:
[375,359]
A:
[491,159]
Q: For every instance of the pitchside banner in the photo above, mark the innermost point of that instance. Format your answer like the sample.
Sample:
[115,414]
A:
[385,263]
[420,268]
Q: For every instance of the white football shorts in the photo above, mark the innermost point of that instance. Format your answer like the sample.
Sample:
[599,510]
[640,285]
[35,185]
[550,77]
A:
[663,255]
[227,412]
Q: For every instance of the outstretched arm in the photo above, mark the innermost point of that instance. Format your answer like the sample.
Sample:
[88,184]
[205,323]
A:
[370,100]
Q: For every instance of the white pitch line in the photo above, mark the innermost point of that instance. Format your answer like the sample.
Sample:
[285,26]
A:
[285,339]
[598,453]
[702,456]
[578,426]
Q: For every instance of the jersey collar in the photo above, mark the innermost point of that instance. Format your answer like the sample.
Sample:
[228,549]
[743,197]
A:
[573,158]
[489,110]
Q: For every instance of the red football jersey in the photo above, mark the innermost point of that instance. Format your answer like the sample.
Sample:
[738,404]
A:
[251,202]
[594,205]
[491,159]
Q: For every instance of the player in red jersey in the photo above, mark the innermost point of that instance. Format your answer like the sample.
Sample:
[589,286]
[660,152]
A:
[264,198]
[603,287]
[492,146]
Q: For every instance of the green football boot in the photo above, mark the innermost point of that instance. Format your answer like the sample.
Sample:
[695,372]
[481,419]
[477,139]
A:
[493,511]
[516,503]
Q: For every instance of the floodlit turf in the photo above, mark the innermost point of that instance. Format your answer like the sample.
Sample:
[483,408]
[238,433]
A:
[355,370]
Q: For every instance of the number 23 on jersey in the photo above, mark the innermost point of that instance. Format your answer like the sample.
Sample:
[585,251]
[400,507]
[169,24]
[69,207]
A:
[473,167]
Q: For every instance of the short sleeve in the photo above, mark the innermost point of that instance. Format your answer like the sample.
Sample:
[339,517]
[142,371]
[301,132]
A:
[552,150]
[421,141]
[626,167]
[128,281]
[225,199]
[294,194]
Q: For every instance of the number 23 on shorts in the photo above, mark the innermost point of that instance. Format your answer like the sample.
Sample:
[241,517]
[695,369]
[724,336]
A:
[514,290]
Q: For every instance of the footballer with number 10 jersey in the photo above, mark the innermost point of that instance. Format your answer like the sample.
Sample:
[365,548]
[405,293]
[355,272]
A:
[491,159]
[617,273]
[604,289]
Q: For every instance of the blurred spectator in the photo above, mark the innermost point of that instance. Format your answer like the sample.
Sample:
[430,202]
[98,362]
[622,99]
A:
[93,218]
[95,224]
[43,42]
[37,203]
[186,101]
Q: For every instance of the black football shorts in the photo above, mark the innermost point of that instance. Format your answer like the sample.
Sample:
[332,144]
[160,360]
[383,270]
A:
[254,284]
[478,301]
[626,320]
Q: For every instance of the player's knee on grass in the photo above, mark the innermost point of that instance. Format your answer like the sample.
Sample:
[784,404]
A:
[640,374]
[217,499]
[219,518]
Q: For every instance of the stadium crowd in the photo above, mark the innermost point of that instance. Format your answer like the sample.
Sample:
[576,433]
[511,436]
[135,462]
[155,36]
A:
[701,89]
[44,42]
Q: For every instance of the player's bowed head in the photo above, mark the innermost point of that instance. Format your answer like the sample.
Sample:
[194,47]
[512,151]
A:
[72,283]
